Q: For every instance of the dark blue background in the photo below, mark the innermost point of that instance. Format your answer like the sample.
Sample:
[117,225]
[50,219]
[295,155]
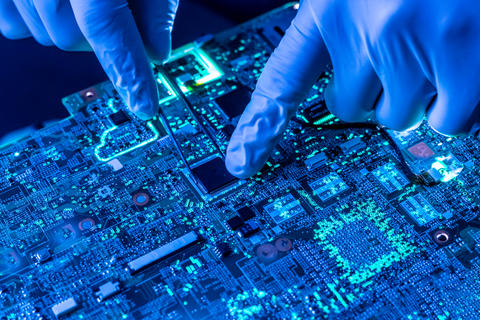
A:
[35,78]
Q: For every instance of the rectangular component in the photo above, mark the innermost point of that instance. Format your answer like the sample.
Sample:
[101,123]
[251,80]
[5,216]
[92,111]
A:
[316,161]
[352,146]
[390,178]
[163,251]
[64,307]
[328,186]
[213,175]
[420,209]
[107,290]
[233,103]
[284,208]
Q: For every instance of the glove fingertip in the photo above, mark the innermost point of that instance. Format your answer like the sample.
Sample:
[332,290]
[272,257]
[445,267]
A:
[141,96]
[235,163]
[144,108]
[159,51]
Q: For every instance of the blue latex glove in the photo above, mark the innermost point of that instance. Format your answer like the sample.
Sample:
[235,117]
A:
[423,54]
[122,34]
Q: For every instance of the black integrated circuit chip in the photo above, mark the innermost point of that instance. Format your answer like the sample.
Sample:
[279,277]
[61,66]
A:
[119,117]
[233,103]
[246,213]
[235,222]
[213,175]
[316,112]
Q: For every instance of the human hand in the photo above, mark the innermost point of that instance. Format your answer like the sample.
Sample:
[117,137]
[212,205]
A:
[123,34]
[395,60]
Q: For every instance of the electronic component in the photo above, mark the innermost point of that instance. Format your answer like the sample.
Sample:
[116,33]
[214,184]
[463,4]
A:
[419,209]
[284,208]
[192,67]
[235,222]
[352,146]
[328,186]
[266,252]
[118,141]
[317,113]
[421,150]
[107,290]
[390,178]
[223,249]
[98,209]
[246,213]
[234,102]
[283,244]
[119,117]
[249,229]
[213,175]
[316,161]
[115,164]
[64,307]
[445,168]
[164,251]
[42,255]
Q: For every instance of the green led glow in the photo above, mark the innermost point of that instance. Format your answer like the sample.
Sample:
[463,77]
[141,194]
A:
[103,142]
[324,119]
[448,173]
[171,93]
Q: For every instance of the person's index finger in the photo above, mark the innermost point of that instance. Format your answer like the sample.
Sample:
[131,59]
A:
[290,72]
[155,23]
[110,28]
[12,25]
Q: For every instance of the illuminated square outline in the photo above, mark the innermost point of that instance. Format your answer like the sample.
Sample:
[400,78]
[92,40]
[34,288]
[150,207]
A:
[213,71]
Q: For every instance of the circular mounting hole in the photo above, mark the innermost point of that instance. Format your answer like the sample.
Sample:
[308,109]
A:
[441,237]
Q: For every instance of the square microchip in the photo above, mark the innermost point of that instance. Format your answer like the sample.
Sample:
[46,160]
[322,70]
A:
[119,117]
[246,213]
[421,151]
[234,102]
[213,175]
[235,222]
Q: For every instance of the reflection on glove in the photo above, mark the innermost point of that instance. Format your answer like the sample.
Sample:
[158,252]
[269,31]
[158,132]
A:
[423,54]
[120,33]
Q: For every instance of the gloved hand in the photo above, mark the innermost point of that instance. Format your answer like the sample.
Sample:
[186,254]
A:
[423,54]
[121,33]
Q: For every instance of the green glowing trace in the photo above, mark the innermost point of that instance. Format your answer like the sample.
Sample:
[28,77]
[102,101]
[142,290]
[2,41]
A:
[171,93]
[447,168]
[103,142]
[110,105]
[213,72]
[325,119]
